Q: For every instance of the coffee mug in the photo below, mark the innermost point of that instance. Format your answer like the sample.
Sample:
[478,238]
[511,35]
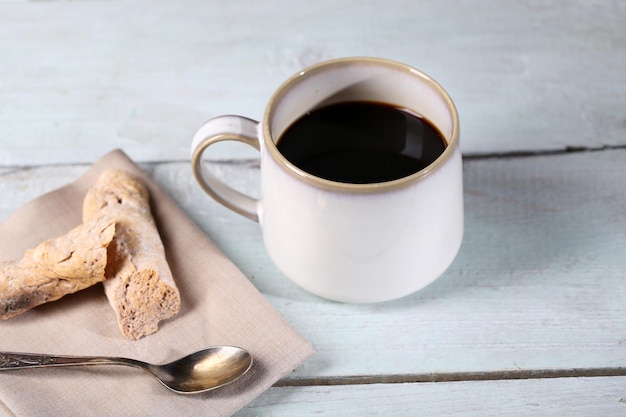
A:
[367,231]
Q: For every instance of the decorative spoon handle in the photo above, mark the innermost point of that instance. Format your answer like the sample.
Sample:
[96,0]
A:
[11,360]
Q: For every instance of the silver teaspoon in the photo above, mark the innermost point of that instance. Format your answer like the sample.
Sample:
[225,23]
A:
[201,371]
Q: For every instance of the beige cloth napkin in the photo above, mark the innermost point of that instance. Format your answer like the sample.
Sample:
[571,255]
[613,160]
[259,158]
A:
[219,306]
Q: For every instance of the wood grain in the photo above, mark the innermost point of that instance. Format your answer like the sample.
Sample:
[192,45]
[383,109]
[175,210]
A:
[538,283]
[572,397]
[537,291]
[79,78]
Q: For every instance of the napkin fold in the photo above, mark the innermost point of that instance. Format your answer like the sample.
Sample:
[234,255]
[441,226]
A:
[219,306]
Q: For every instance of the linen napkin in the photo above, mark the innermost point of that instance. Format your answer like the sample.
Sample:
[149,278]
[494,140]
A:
[219,306]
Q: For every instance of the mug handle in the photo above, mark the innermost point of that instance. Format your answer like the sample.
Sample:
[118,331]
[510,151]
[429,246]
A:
[218,129]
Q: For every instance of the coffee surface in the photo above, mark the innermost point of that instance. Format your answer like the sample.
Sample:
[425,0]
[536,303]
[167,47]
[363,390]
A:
[361,143]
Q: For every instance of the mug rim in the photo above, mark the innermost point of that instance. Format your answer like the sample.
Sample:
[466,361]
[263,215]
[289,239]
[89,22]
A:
[284,163]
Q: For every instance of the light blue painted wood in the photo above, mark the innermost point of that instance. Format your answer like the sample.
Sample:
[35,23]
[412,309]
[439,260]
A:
[78,78]
[572,397]
[538,283]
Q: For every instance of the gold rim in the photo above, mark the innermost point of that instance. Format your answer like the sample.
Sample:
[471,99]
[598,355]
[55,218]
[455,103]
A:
[452,145]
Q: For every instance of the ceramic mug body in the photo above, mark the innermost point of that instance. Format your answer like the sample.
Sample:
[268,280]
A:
[349,242]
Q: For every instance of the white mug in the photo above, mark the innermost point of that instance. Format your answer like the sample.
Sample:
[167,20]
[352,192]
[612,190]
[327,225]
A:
[348,242]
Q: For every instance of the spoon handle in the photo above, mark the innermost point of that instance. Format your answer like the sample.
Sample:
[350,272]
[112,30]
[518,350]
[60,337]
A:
[14,360]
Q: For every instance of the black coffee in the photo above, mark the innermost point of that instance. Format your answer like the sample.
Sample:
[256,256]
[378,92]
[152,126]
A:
[361,142]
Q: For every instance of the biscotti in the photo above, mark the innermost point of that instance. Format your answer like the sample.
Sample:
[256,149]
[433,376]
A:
[56,267]
[139,284]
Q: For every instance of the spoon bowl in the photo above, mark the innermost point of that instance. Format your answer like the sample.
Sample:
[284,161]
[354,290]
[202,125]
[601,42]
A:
[204,370]
[201,371]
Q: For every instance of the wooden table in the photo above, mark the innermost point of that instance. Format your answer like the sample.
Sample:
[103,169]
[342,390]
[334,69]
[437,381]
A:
[529,320]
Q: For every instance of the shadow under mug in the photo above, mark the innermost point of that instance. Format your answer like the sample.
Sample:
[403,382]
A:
[348,242]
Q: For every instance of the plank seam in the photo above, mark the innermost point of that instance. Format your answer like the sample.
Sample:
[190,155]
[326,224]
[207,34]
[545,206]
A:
[254,162]
[502,375]
[549,152]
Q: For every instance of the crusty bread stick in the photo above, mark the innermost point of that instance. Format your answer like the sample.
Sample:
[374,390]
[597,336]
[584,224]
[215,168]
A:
[56,267]
[139,284]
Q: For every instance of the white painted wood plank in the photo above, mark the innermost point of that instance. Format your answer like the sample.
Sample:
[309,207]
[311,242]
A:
[572,397]
[79,78]
[538,284]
